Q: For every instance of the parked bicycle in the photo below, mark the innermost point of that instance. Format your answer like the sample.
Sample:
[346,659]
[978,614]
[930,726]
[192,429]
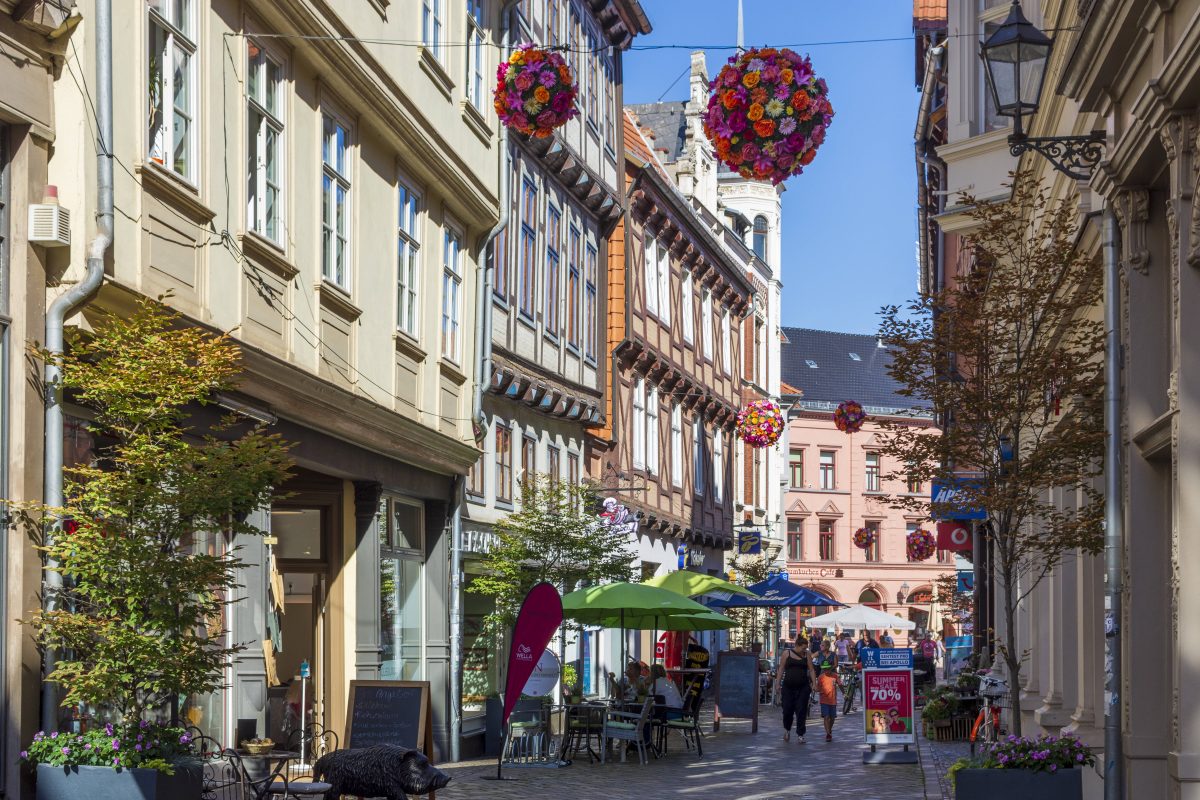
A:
[987,723]
[849,681]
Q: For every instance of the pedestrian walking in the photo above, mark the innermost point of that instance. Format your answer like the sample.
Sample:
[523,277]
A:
[795,682]
[842,645]
[885,639]
[865,642]
[827,689]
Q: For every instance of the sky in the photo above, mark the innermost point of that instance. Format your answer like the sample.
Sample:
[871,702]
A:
[849,222]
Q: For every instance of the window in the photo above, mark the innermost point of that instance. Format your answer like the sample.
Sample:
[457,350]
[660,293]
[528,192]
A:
[760,237]
[760,352]
[171,67]
[573,256]
[475,476]
[726,342]
[553,463]
[677,445]
[706,323]
[639,424]
[825,544]
[553,232]
[652,420]
[589,304]
[913,483]
[697,457]
[756,479]
[452,276]
[401,606]
[651,270]
[795,539]
[796,467]
[431,27]
[553,28]
[610,108]
[500,256]
[872,476]
[528,247]
[664,284]
[475,50]
[528,458]
[991,16]
[828,476]
[504,476]
[718,465]
[573,468]
[687,310]
[872,552]
[593,65]
[335,203]
[264,146]
[408,262]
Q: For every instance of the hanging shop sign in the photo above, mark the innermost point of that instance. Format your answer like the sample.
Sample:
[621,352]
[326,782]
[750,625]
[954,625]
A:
[954,535]
[617,518]
[749,542]
[950,501]
[966,581]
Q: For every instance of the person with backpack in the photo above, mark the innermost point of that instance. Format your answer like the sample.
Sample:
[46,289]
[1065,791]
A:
[794,682]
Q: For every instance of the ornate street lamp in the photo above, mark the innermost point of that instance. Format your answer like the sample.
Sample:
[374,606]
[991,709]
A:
[1015,59]
[902,595]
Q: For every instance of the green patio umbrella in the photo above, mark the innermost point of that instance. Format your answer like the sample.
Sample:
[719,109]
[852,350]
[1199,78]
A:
[707,621]
[690,583]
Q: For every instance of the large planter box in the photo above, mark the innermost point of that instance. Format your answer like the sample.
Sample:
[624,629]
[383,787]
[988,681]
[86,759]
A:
[105,783]
[1005,784]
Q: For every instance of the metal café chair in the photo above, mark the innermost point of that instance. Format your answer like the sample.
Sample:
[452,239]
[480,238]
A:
[623,726]
[689,725]
[584,722]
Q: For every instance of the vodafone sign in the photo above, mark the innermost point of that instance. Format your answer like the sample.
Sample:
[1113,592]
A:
[955,535]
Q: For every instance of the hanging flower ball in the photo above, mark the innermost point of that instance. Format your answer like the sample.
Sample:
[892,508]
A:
[921,545]
[760,423]
[767,113]
[535,92]
[849,417]
[864,538]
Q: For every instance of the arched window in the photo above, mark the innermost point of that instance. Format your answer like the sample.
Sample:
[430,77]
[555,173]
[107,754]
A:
[869,597]
[760,237]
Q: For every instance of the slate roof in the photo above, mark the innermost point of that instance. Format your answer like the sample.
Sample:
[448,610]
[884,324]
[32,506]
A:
[837,376]
[669,124]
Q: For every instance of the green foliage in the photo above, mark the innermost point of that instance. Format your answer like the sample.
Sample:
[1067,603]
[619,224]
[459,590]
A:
[751,622]
[941,702]
[144,745]
[1012,351]
[570,677]
[556,537]
[139,619]
[1044,753]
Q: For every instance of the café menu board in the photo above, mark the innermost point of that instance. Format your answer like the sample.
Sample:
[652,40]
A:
[737,687]
[390,712]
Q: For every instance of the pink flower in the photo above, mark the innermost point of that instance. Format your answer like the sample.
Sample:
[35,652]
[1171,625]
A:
[524,81]
[519,120]
[513,100]
[561,102]
[547,119]
[750,152]
[818,135]
[737,121]
[548,78]
[787,126]
[502,70]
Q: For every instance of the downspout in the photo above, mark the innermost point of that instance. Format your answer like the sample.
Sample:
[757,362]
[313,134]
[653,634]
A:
[1114,518]
[483,369]
[56,315]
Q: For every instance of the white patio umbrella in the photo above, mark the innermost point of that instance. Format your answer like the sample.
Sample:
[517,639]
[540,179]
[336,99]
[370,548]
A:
[859,617]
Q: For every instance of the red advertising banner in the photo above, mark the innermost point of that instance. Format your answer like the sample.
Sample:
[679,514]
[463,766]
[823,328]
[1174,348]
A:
[540,616]
[888,709]
[955,535]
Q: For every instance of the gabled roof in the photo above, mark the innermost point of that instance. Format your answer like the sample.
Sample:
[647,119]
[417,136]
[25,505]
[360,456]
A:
[636,144]
[669,124]
[830,367]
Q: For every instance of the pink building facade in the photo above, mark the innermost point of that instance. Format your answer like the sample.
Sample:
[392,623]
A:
[835,484]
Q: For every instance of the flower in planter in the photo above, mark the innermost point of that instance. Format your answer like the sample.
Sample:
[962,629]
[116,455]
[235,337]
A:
[98,747]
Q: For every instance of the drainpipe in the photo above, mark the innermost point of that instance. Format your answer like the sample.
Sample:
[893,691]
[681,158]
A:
[1114,518]
[483,370]
[56,315]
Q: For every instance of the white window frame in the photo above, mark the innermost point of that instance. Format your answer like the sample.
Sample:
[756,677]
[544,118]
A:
[179,37]
[697,456]
[433,27]
[334,228]
[677,445]
[639,424]
[476,68]
[718,465]
[686,310]
[706,323]
[652,428]
[452,279]
[664,284]
[264,218]
[651,272]
[408,260]
[726,343]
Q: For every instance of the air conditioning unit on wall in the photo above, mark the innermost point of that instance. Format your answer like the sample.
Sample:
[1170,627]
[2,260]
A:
[49,223]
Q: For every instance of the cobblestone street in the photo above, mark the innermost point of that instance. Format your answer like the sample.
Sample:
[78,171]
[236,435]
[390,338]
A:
[736,764]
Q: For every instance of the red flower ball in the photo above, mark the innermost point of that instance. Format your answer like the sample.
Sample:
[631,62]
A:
[535,92]
[849,417]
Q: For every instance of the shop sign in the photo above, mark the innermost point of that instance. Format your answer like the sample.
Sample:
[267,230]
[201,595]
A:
[888,709]
[966,581]
[814,572]
[950,495]
[617,518]
[544,677]
[695,557]
[954,535]
[477,541]
[749,543]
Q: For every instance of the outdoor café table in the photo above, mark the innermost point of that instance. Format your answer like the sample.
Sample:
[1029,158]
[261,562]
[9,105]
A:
[589,720]
[262,770]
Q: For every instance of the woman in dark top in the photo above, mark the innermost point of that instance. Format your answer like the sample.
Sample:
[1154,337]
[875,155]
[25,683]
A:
[795,682]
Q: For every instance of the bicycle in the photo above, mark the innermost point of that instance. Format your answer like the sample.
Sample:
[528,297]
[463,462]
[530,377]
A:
[849,681]
[987,722]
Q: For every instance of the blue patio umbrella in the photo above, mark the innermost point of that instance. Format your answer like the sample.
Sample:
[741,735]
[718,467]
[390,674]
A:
[775,592]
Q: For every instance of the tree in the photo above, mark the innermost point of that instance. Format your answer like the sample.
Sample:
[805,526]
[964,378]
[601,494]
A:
[556,537]
[138,620]
[1010,358]
[747,571]
[959,606]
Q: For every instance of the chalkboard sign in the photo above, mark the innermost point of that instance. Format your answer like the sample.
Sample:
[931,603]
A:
[389,712]
[737,688]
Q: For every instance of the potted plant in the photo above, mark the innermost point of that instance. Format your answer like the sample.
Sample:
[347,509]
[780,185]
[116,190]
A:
[570,682]
[139,623]
[967,682]
[1042,768]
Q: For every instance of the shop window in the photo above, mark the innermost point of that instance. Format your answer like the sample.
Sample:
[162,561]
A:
[299,533]
[401,590]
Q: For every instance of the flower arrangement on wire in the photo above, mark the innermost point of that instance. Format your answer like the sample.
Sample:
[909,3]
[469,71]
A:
[849,417]
[760,423]
[535,91]
[768,113]
[864,538]
[921,545]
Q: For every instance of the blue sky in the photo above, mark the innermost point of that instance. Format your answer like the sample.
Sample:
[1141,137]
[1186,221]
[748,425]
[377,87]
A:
[849,230]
